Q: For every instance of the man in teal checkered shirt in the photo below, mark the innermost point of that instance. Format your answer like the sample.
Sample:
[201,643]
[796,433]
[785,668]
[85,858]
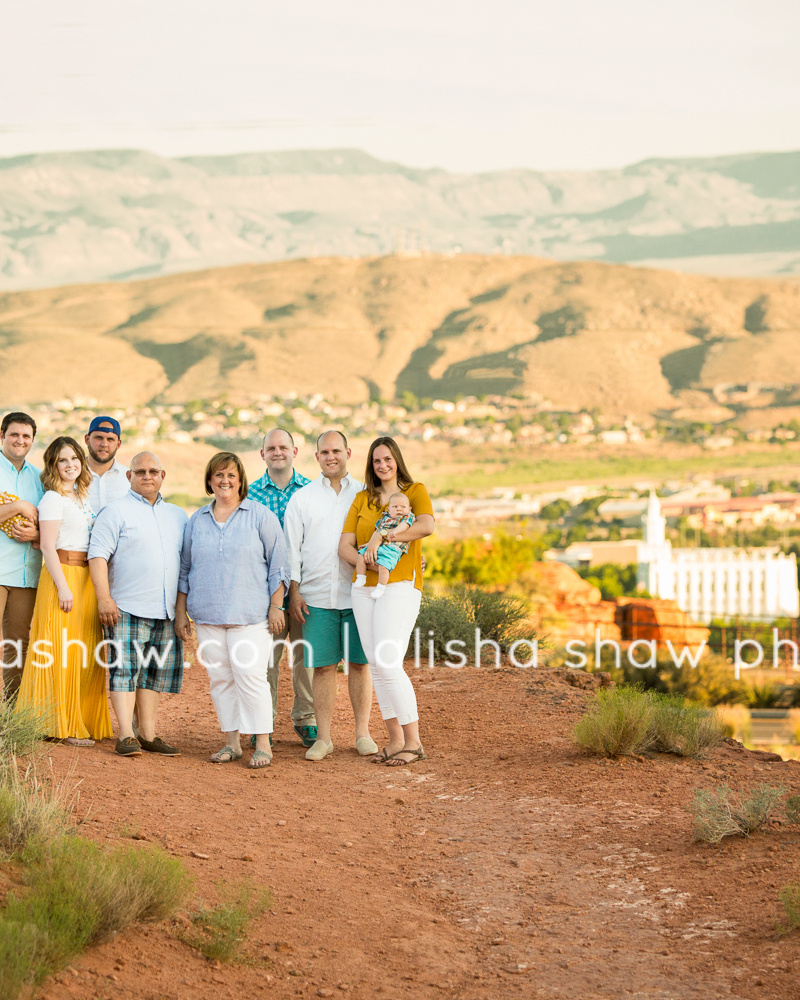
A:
[275,489]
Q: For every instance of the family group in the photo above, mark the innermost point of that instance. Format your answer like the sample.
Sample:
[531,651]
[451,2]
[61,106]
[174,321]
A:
[101,577]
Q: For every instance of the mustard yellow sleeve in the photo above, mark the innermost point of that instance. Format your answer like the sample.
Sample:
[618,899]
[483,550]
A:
[419,499]
[352,515]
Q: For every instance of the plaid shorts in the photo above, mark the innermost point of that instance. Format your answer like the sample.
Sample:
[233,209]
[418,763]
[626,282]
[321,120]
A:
[143,653]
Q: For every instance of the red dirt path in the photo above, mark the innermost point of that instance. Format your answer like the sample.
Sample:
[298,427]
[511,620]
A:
[506,865]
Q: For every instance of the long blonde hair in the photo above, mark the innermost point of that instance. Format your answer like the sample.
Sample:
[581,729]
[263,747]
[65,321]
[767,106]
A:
[50,477]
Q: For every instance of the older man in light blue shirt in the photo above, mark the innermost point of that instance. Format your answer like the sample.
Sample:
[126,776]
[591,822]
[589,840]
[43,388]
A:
[134,559]
[20,562]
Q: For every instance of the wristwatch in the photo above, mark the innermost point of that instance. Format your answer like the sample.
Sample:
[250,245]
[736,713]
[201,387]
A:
[384,532]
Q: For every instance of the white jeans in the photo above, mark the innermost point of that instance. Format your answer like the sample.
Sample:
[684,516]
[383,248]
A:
[236,658]
[384,627]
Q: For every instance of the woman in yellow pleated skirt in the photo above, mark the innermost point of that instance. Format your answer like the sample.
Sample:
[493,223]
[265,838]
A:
[62,682]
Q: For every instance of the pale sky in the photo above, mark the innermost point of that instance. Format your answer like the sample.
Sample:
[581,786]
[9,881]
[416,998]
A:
[463,84]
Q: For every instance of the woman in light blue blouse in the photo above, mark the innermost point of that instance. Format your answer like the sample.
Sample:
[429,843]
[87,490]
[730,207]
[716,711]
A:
[234,572]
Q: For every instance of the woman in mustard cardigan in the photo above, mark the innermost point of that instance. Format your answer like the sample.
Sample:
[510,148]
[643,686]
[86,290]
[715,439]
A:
[385,625]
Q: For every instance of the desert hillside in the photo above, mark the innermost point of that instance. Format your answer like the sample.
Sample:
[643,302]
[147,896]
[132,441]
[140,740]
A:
[627,341]
[118,214]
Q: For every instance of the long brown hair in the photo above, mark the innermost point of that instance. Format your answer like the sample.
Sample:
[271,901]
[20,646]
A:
[50,477]
[371,481]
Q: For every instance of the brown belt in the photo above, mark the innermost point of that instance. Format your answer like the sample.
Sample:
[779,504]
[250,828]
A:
[70,558]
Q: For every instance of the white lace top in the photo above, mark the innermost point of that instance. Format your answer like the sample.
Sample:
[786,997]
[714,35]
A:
[76,520]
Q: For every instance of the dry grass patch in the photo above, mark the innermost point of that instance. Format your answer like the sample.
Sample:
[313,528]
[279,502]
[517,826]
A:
[21,733]
[33,807]
[77,895]
[220,931]
[627,720]
[617,723]
[790,900]
[722,812]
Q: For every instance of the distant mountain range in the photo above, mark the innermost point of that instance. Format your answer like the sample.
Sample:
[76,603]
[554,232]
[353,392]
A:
[626,341]
[121,214]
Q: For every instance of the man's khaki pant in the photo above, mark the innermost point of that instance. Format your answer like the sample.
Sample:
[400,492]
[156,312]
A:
[16,611]
[303,707]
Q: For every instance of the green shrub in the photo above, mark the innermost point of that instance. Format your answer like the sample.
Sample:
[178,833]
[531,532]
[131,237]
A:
[79,894]
[790,900]
[764,695]
[221,929]
[18,946]
[628,720]
[21,732]
[32,808]
[618,722]
[722,812]
[682,728]
[792,807]
[442,618]
[498,616]
[456,614]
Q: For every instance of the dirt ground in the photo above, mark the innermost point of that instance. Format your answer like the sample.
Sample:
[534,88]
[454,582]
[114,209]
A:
[505,865]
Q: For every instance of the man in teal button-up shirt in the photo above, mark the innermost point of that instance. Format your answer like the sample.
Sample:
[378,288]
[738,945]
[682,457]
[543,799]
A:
[275,489]
[20,562]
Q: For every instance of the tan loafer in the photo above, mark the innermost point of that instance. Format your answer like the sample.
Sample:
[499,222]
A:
[319,751]
[366,746]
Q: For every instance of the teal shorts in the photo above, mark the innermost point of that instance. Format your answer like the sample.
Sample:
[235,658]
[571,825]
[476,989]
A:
[332,636]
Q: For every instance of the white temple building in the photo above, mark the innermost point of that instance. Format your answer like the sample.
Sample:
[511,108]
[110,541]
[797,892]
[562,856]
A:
[716,583]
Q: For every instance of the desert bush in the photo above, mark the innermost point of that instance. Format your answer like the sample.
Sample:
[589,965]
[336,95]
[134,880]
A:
[498,616]
[628,720]
[220,930]
[618,723]
[79,894]
[446,617]
[722,812]
[33,808]
[18,946]
[790,900]
[21,732]
[456,614]
[792,807]
[735,721]
[765,695]
[683,728]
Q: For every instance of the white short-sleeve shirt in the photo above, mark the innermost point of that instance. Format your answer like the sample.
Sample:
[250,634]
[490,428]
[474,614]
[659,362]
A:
[111,486]
[76,520]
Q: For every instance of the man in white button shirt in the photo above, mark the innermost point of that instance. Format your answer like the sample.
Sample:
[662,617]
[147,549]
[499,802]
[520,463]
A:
[319,592]
[109,477]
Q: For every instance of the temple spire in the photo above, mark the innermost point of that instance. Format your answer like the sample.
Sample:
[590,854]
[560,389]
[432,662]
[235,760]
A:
[655,524]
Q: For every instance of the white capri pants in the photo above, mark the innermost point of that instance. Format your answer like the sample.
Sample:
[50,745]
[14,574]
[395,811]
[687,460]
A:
[236,658]
[384,627]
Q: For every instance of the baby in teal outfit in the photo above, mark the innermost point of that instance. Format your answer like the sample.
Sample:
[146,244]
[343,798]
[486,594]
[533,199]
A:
[397,519]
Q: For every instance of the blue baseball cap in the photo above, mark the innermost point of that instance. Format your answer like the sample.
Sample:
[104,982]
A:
[96,425]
